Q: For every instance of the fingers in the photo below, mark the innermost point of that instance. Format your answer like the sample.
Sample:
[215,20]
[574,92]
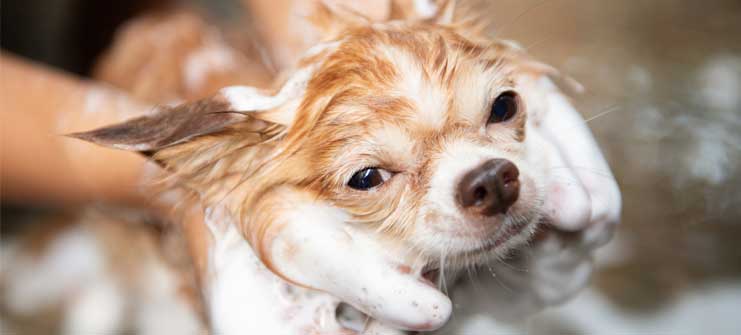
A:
[37,104]
[316,247]
[375,327]
[509,295]
[567,203]
[244,297]
[558,271]
[364,325]
[566,129]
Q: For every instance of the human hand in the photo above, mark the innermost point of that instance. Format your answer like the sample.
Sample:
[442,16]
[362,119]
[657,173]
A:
[582,207]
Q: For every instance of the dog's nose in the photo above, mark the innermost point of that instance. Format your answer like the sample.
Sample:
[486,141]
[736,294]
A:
[491,188]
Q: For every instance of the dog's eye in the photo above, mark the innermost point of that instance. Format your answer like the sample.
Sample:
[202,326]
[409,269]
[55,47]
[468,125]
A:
[368,178]
[505,106]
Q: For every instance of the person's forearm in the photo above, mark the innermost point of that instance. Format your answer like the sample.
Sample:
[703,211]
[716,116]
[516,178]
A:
[38,106]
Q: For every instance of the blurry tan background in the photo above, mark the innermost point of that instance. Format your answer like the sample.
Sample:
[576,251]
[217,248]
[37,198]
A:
[663,97]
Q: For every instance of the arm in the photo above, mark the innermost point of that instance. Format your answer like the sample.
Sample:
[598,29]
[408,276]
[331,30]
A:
[37,106]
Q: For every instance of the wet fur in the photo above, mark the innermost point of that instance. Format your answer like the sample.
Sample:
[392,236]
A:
[366,83]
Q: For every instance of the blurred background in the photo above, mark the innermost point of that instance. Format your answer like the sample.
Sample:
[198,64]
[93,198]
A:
[663,98]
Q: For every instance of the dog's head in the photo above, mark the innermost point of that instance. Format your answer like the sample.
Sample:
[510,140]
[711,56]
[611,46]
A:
[418,129]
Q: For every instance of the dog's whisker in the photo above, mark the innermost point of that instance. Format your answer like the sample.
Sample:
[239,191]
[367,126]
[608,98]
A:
[537,42]
[502,29]
[499,281]
[601,173]
[601,114]
[442,273]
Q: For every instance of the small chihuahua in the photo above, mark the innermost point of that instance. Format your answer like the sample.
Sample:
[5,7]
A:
[417,130]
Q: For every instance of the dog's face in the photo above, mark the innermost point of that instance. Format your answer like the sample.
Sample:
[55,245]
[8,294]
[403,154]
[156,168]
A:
[422,133]
[412,129]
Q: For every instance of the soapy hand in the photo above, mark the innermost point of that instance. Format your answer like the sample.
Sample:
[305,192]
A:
[582,200]
[244,297]
[582,208]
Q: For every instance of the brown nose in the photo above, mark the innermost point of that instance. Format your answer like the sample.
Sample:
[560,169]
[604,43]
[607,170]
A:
[491,188]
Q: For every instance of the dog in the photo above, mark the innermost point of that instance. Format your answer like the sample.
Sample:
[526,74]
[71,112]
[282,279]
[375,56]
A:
[411,138]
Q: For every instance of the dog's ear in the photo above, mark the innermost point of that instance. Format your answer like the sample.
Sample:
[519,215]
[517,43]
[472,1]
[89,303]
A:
[445,11]
[433,11]
[237,108]
[166,127]
[332,19]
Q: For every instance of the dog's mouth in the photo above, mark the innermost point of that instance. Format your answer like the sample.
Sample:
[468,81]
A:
[431,275]
[431,272]
[498,240]
[509,232]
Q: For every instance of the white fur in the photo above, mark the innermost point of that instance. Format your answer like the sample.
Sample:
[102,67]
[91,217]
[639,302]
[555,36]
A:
[455,232]
[246,98]
[250,99]
[429,99]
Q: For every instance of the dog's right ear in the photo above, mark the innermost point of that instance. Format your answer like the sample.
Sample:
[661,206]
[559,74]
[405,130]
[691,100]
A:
[247,108]
[166,127]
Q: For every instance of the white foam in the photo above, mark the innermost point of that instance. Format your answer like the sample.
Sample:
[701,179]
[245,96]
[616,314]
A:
[425,8]
[98,309]
[70,261]
[719,82]
[212,57]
